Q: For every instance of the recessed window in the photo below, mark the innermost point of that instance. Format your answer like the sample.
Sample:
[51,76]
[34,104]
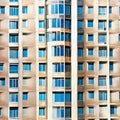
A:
[80,24]
[26,67]
[90,66]
[91,110]
[24,23]
[41,38]
[13,24]
[80,81]
[0,112]
[91,94]
[24,9]
[1,67]
[80,52]
[13,97]
[13,112]
[80,96]
[42,67]
[13,0]
[2,82]
[80,37]
[90,23]
[41,10]
[2,10]
[58,50]
[102,10]
[41,111]
[13,68]
[90,10]
[25,52]
[13,38]
[13,83]
[90,51]
[13,53]
[110,10]
[90,37]
[42,82]
[102,95]
[102,38]
[80,111]
[80,10]
[91,81]
[80,66]
[102,24]
[58,67]
[102,81]
[13,11]
[41,24]
[25,96]
[42,96]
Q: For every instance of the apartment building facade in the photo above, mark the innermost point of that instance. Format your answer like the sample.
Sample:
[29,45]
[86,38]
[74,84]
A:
[59,59]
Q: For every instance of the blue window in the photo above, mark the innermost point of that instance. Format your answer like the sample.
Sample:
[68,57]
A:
[25,52]
[58,97]
[13,0]
[13,11]
[111,80]
[13,38]
[24,23]
[67,97]
[58,82]
[90,37]
[41,38]
[80,66]
[41,111]
[24,9]
[58,67]
[67,24]
[119,37]
[90,23]
[111,66]
[42,67]
[67,51]
[13,53]
[58,50]
[80,52]
[42,82]
[14,68]
[2,10]
[90,66]
[67,10]
[26,67]
[42,96]
[102,10]
[80,111]
[91,110]
[42,53]
[61,8]
[67,82]
[80,24]
[102,24]
[90,10]
[111,52]
[80,96]
[25,96]
[110,10]
[102,80]
[80,37]
[102,52]
[80,10]
[13,112]
[90,52]
[91,94]
[110,24]
[2,81]
[102,38]
[91,81]
[13,97]
[113,110]
[13,24]
[102,95]
[41,10]
[80,81]
[13,83]
[0,112]
[41,24]
[1,67]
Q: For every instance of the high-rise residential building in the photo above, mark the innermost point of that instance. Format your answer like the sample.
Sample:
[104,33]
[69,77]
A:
[59,59]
